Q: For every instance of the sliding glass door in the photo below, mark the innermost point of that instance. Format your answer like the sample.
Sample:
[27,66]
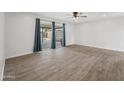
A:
[52,35]
[46,37]
[58,36]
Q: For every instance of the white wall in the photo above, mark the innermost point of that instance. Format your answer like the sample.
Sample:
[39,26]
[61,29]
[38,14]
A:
[20,29]
[106,33]
[2,61]
[70,28]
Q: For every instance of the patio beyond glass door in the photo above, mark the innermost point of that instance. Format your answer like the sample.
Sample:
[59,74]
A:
[46,35]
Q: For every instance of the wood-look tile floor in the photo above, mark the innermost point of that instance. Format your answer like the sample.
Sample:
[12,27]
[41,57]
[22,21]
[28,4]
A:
[72,63]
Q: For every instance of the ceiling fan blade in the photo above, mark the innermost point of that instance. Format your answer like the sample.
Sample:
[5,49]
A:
[82,16]
[80,13]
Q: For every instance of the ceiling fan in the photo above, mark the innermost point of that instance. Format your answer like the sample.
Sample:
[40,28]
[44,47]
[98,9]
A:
[76,15]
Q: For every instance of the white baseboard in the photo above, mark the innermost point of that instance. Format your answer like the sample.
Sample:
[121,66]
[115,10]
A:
[17,55]
[2,64]
[113,49]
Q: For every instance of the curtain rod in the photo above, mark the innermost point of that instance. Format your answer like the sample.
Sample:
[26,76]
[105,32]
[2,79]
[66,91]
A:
[51,21]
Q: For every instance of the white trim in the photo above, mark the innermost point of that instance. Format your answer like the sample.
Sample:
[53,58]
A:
[2,69]
[22,54]
[118,50]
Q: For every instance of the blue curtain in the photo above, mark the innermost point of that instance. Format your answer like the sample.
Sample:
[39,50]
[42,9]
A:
[53,41]
[64,39]
[37,40]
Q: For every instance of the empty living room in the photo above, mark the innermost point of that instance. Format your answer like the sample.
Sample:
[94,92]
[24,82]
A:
[62,46]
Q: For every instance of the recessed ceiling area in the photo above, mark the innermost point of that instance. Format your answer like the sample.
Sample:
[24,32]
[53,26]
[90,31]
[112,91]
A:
[65,16]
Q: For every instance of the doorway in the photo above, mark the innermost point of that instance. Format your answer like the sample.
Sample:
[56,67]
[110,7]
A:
[58,36]
[46,35]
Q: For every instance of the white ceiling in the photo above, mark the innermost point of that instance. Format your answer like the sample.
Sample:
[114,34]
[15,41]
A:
[90,16]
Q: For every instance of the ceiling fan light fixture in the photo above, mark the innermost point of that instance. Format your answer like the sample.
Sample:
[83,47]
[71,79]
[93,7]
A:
[77,15]
[75,18]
